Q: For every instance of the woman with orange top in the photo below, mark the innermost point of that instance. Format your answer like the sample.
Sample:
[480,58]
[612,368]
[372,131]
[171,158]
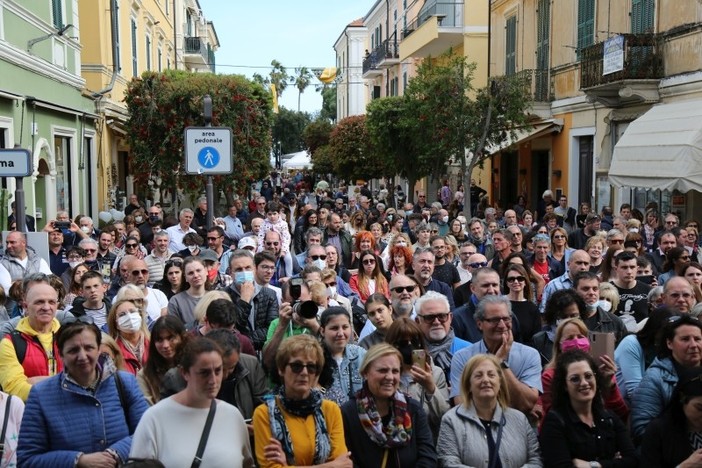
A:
[369,278]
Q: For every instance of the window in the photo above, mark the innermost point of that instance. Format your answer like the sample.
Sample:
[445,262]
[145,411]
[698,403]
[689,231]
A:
[188,24]
[586,24]
[57,13]
[160,58]
[118,49]
[135,70]
[392,87]
[543,26]
[62,154]
[642,12]
[404,81]
[148,52]
[511,46]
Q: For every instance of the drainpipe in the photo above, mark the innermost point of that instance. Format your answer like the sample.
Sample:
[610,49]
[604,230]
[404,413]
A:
[175,37]
[348,77]
[387,35]
[114,25]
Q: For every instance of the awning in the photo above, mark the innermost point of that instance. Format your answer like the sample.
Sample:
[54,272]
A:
[300,160]
[661,150]
[536,130]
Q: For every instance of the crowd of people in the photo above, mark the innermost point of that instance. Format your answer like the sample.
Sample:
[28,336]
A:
[347,332]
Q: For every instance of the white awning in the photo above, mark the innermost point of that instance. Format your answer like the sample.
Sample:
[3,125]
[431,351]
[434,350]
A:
[537,130]
[299,160]
[661,150]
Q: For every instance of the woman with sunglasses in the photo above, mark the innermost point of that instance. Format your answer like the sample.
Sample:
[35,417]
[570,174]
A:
[85,415]
[369,278]
[559,246]
[420,378]
[339,376]
[573,334]
[168,337]
[126,323]
[679,348]
[299,427]
[673,439]
[383,426]
[579,431]
[676,259]
[364,241]
[171,430]
[172,280]
[484,430]
[131,247]
[519,294]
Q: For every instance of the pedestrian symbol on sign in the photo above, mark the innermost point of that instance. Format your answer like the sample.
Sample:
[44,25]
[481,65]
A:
[208,157]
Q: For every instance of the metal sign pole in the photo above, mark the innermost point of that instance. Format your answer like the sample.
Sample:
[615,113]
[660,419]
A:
[209,189]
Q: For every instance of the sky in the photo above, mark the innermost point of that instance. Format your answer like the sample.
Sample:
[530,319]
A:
[294,32]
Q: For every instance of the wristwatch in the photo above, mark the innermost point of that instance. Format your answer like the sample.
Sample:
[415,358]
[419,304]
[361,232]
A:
[594,464]
[504,364]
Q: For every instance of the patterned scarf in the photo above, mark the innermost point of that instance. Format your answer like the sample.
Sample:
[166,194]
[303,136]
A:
[398,432]
[441,354]
[303,408]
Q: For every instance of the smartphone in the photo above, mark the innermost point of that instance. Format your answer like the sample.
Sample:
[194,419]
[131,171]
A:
[646,279]
[601,344]
[419,358]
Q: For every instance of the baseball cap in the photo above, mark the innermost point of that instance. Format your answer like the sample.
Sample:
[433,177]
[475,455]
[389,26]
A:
[208,255]
[248,242]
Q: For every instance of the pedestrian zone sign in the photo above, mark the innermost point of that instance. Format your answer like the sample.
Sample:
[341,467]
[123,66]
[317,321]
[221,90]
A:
[15,162]
[208,150]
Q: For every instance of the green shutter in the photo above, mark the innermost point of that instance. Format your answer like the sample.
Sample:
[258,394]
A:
[642,14]
[57,13]
[543,33]
[586,24]
[511,46]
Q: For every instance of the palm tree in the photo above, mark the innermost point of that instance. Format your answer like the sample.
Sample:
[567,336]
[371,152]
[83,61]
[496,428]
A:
[302,80]
[279,77]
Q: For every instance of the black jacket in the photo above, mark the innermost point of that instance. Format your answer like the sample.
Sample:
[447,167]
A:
[665,443]
[419,453]
[265,305]
[78,308]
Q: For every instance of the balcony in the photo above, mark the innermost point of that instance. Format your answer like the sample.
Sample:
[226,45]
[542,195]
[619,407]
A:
[636,83]
[195,52]
[539,87]
[388,53]
[371,70]
[437,28]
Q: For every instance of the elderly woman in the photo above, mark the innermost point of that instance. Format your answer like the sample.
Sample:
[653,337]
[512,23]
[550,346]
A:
[299,427]
[85,415]
[421,379]
[679,348]
[382,426]
[163,433]
[484,430]
[400,261]
[126,323]
[578,431]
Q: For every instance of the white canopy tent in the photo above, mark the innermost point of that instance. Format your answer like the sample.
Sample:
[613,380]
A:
[662,149]
[299,160]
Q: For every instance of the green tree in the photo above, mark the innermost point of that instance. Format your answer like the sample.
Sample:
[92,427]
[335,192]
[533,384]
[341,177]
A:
[352,151]
[161,105]
[328,102]
[303,78]
[316,135]
[288,128]
[279,77]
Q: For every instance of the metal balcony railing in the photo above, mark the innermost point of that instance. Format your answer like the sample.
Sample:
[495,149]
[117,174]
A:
[643,59]
[450,15]
[537,83]
[196,45]
[370,62]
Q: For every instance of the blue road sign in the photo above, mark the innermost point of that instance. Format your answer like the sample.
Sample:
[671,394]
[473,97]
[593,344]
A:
[208,157]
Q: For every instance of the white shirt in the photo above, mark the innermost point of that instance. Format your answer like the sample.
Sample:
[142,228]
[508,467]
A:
[176,234]
[155,302]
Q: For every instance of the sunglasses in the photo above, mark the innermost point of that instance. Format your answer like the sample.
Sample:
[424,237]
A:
[369,261]
[559,237]
[331,284]
[478,265]
[318,257]
[143,272]
[297,367]
[512,279]
[131,246]
[401,289]
[214,238]
[272,244]
[81,319]
[429,319]
[576,379]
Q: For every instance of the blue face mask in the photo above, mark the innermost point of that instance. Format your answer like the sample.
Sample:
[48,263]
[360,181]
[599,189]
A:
[241,277]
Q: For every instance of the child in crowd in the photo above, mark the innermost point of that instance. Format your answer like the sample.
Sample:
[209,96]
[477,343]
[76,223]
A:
[275,222]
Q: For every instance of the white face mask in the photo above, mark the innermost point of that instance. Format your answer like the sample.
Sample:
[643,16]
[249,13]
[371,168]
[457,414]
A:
[85,229]
[75,263]
[604,305]
[444,219]
[633,229]
[138,219]
[192,248]
[331,291]
[130,322]
[319,263]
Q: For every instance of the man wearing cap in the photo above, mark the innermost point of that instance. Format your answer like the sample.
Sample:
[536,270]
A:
[578,238]
[214,277]
[58,262]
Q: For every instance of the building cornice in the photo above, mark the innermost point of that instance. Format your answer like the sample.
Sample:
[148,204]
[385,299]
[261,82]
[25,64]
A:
[38,65]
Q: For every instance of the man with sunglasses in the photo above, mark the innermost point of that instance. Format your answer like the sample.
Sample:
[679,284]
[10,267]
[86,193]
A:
[461,295]
[521,364]
[156,301]
[273,244]
[434,319]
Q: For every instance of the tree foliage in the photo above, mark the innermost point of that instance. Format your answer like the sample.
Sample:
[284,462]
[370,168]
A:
[316,135]
[279,77]
[287,129]
[353,153]
[303,78]
[328,102]
[161,105]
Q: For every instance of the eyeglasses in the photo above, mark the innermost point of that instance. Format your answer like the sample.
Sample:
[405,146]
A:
[143,272]
[401,289]
[318,257]
[429,319]
[75,257]
[80,319]
[214,238]
[369,261]
[478,265]
[677,295]
[497,320]
[559,237]
[297,367]
[90,250]
[434,231]
[272,244]
[131,246]
[267,267]
[512,279]
[576,379]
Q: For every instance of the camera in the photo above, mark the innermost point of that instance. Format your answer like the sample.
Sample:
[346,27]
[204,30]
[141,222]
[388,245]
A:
[296,288]
[306,309]
[63,225]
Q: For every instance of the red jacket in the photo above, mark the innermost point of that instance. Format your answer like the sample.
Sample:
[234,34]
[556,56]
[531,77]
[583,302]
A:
[131,363]
[36,363]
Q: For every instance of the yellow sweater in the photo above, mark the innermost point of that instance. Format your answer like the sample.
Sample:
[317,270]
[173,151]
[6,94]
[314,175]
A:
[302,432]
